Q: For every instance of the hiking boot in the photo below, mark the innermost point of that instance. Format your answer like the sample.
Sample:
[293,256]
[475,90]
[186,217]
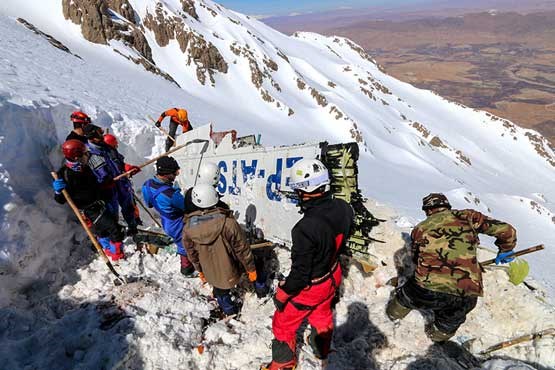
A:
[437,335]
[132,230]
[395,310]
[261,289]
[319,343]
[189,271]
[275,366]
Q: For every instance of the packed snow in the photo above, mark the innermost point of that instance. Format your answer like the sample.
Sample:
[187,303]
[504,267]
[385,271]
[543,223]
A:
[58,306]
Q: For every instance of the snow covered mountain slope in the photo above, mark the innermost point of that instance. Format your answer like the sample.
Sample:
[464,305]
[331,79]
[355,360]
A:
[239,74]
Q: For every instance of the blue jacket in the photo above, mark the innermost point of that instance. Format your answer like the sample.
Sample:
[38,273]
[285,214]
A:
[103,167]
[170,203]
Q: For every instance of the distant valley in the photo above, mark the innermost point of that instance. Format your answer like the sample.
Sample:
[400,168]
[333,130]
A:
[501,62]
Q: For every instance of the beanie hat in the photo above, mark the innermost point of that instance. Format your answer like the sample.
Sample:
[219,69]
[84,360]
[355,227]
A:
[92,132]
[166,165]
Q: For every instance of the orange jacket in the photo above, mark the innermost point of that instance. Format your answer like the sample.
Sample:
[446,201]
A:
[173,114]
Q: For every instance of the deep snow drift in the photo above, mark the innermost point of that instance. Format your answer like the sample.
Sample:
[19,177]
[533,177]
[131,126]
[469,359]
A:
[58,306]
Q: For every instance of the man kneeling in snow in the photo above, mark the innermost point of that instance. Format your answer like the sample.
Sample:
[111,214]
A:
[80,182]
[217,246]
[448,277]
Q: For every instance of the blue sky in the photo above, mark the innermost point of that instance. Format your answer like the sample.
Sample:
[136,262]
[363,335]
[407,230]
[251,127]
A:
[283,7]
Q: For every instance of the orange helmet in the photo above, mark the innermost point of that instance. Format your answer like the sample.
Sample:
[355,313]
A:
[111,140]
[182,115]
[73,149]
[80,117]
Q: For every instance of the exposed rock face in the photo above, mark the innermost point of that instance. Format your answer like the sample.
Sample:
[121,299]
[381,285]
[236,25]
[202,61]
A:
[96,18]
[188,7]
[437,142]
[541,145]
[422,129]
[54,42]
[105,20]
[320,99]
[202,53]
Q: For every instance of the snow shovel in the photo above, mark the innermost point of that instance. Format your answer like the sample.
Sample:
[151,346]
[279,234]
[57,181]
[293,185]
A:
[518,269]
[394,281]
[535,248]
[119,279]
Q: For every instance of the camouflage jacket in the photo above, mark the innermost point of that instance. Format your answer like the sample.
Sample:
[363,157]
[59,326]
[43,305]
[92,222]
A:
[444,246]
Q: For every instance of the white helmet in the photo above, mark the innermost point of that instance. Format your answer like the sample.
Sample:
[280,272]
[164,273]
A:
[308,175]
[208,173]
[204,196]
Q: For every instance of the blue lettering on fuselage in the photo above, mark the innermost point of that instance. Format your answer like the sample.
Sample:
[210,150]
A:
[228,179]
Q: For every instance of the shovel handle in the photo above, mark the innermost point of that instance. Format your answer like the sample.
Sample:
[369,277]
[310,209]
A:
[536,248]
[88,230]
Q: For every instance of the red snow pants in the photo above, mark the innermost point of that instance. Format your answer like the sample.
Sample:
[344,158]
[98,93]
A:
[312,303]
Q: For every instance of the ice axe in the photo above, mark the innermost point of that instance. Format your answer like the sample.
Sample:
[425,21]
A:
[119,279]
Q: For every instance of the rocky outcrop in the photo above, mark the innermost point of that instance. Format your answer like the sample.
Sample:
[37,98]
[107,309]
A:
[320,99]
[188,7]
[148,66]
[54,42]
[100,23]
[422,129]
[206,57]
[437,142]
[540,145]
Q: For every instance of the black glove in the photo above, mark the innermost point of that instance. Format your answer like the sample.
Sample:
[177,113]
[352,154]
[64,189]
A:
[280,306]
[158,124]
[280,299]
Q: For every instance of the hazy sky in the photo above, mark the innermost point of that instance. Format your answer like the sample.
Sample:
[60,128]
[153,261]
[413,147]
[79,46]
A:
[283,7]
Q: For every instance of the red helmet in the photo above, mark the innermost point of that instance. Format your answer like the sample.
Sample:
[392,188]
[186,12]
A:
[80,117]
[111,140]
[73,149]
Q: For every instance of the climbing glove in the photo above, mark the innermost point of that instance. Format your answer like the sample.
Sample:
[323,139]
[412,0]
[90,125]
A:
[59,185]
[504,257]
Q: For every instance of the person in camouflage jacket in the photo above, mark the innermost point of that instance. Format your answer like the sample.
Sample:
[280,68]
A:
[448,277]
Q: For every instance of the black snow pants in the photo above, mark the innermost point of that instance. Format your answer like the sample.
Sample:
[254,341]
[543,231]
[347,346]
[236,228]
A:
[104,223]
[449,310]
[173,131]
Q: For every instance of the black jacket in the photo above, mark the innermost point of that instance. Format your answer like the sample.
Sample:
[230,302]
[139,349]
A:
[314,241]
[190,207]
[81,186]
[75,136]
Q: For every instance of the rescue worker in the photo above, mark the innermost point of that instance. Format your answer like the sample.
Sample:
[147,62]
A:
[80,182]
[111,140]
[307,293]
[125,192]
[161,193]
[209,173]
[80,120]
[178,117]
[105,166]
[217,246]
[448,278]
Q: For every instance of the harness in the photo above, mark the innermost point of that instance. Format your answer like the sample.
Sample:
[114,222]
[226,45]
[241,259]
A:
[152,199]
